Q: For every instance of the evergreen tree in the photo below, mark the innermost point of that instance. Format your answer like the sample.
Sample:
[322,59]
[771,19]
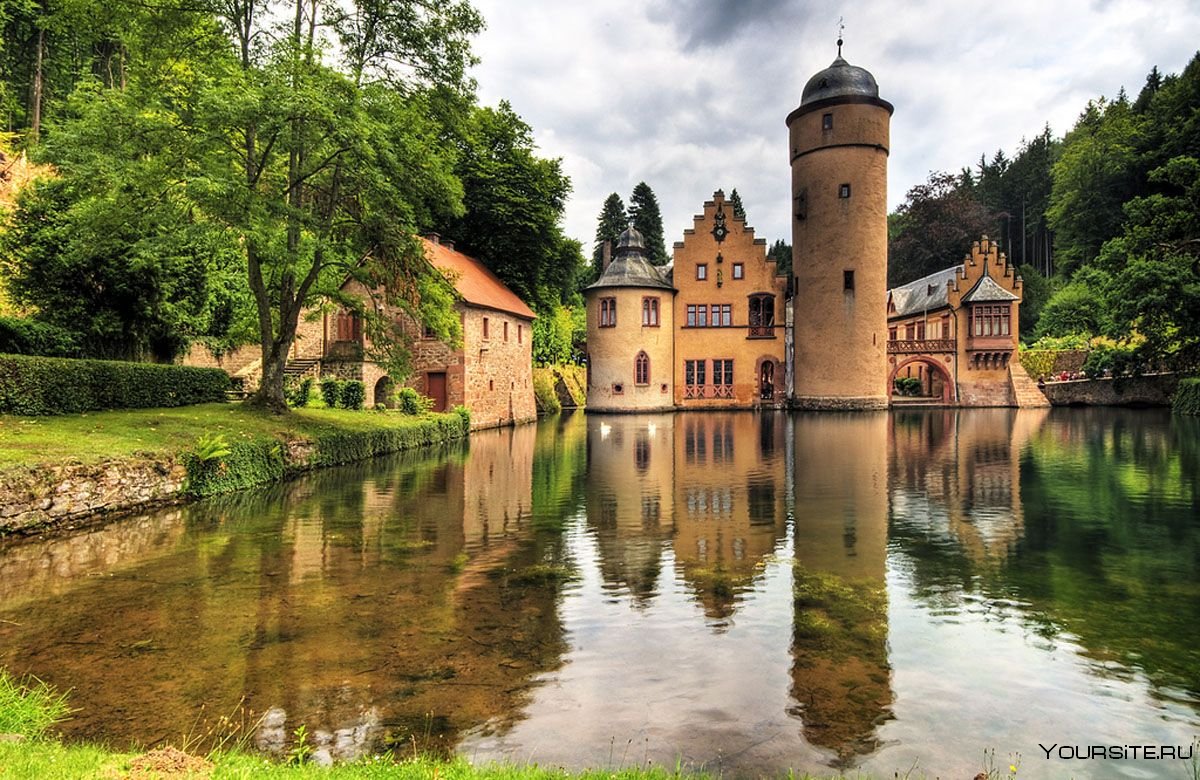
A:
[735,201]
[609,226]
[644,213]
[781,253]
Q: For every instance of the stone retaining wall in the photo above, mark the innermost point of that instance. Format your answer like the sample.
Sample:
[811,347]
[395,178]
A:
[1151,390]
[38,496]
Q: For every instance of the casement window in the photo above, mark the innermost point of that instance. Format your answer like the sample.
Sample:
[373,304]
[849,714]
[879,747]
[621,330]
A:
[991,320]
[649,312]
[725,314]
[921,331]
[608,312]
[641,369]
[694,373]
[945,326]
[739,271]
[723,372]
[844,191]
[702,271]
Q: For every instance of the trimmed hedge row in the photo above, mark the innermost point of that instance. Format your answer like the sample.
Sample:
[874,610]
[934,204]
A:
[253,463]
[1187,397]
[340,447]
[43,385]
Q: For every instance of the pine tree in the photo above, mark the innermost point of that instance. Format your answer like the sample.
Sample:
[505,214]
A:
[643,211]
[735,201]
[609,226]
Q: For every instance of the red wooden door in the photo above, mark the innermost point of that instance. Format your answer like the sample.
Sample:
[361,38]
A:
[435,388]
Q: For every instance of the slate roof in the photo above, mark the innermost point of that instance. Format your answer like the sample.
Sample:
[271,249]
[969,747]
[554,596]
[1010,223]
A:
[839,80]
[631,268]
[988,290]
[925,294]
[475,283]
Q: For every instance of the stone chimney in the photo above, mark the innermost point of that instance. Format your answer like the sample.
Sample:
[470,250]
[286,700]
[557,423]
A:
[447,243]
[433,238]
[605,256]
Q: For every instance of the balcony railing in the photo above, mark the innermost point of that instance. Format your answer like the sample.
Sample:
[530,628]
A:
[914,346]
[761,332]
[708,391]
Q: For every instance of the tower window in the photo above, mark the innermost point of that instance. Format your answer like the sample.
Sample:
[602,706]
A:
[608,312]
[827,122]
[844,191]
[649,314]
[641,369]
[848,279]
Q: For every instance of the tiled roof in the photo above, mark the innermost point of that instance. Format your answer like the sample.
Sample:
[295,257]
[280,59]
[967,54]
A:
[631,268]
[988,290]
[476,284]
[925,294]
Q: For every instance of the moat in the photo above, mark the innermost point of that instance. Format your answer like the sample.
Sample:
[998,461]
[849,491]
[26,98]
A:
[742,593]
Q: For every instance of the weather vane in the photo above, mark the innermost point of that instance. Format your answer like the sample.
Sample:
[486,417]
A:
[841,29]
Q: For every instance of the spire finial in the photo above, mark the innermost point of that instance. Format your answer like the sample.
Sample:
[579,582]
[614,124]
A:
[841,29]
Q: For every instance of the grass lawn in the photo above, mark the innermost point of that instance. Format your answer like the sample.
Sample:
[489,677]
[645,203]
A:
[95,436]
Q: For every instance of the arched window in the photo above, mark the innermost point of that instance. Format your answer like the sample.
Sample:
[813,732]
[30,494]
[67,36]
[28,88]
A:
[641,369]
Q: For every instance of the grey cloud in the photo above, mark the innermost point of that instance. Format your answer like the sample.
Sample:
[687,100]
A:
[714,23]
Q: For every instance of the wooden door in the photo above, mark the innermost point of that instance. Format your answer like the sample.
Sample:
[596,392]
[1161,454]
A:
[435,388]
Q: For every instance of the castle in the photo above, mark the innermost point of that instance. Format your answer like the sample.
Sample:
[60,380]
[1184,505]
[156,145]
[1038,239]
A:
[719,328]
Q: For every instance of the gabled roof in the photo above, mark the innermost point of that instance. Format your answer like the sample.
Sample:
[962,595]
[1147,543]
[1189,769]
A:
[925,294]
[475,283]
[988,290]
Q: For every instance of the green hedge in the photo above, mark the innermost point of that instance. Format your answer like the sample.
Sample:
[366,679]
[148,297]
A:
[252,463]
[1187,397]
[248,464]
[43,385]
[340,447]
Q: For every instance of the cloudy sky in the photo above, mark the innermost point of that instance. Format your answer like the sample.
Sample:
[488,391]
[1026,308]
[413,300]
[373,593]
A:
[691,95]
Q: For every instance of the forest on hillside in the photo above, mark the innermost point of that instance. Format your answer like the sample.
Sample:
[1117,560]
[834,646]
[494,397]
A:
[1103,223]
[210,170]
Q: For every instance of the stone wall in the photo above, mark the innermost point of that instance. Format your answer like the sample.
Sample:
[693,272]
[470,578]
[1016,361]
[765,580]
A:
[60,494]
[498,369]
[1152,390]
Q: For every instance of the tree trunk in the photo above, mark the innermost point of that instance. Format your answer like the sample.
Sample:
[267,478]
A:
[35,125]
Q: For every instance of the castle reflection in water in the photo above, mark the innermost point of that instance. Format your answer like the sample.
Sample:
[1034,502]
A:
[709,586]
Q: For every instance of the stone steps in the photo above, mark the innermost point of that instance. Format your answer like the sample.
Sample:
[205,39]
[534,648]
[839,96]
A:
[1026,391]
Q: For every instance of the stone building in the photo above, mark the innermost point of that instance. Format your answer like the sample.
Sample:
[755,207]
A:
[491,372]
[956,331]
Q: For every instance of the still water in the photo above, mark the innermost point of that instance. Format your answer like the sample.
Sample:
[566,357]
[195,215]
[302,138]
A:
[741,593]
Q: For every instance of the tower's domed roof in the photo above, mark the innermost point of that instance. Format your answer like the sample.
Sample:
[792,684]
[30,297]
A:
[840,79]
[630,267]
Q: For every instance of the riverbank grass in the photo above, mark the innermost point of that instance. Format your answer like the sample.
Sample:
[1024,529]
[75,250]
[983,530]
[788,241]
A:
[96,436]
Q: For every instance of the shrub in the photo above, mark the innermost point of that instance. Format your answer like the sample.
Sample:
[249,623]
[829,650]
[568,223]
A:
[20,336]
[240,465]
[338,447]
[1187,397]
[908,385]
[543,391]
[1118,359]
[331,391]
[297,392]
[412,402]
[465,415]
[44,385]
[354,394]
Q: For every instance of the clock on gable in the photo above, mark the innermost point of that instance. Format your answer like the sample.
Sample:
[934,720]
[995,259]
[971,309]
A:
[719,230]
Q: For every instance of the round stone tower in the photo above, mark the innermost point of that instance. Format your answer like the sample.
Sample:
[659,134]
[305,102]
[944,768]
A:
[631,333]
[839,149]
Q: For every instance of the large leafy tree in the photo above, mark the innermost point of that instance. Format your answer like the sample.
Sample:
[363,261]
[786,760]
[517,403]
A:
[1094,175]
[934,228]
[514,202]
[647,218]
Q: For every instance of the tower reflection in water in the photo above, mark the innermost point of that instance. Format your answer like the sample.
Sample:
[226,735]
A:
[840,671]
